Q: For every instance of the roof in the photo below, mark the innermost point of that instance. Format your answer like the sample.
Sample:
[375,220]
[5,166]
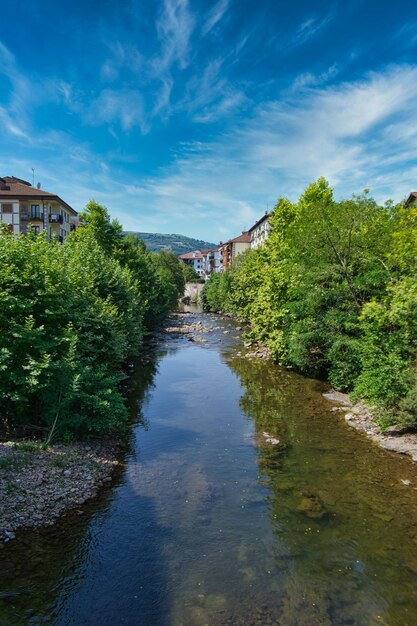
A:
[259,222]
[191,255]
[243,238]
[411,198]
[12,187]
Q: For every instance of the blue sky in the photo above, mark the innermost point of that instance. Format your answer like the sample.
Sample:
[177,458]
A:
[194,116]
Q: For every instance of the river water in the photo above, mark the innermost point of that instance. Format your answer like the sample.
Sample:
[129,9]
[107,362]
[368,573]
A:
[208,522]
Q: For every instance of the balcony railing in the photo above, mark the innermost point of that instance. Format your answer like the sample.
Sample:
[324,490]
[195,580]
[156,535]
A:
[35,215]
[54,218]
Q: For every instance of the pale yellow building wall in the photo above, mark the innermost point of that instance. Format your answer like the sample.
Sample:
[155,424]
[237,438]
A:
[239,247]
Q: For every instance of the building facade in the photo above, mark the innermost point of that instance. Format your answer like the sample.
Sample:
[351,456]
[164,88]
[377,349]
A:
[196,261]
[232,248]
[213,261]
[259,232]
[25,208]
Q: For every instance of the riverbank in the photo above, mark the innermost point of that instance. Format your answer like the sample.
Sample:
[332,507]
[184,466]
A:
[39,485]
[360,417]
[357,415]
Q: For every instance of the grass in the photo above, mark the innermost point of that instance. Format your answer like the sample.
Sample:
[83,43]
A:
[28,446]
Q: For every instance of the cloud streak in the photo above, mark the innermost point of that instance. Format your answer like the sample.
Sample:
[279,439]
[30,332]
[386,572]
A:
[357,134]
[215,16]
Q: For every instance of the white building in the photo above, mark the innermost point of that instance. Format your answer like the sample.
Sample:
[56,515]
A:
[260,231]
[213,261]
[196,260]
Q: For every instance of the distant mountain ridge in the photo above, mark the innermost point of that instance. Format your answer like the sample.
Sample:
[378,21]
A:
[178,244]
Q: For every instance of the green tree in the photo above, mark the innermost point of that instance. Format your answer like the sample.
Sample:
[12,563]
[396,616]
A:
[107,232]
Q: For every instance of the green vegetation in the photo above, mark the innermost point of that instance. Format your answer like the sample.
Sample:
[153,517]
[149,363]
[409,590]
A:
[333,294]
[178,244]
[190,275]
[70,316]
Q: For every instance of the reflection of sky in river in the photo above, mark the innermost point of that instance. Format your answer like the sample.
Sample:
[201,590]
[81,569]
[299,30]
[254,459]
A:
[209,523]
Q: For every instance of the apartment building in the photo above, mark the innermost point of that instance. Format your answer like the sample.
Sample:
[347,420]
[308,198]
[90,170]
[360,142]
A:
[196,261]
[259,232]
[26,208]
[232,248]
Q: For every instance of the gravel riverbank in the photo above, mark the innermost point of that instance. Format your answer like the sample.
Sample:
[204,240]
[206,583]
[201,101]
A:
[39,485]
[360,417]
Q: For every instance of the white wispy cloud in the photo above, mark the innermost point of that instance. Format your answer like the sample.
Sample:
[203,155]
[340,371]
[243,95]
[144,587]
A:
[210,95]
[124,106]
[13,108]
[352,133]
[309,28]
[174,28]
[122,55]
[358,134]
[215,16]
[308,79]
[406,36]
[151,74]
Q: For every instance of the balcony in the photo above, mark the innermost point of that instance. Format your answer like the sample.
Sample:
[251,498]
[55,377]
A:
[35,216]
[54,218]
[31,216]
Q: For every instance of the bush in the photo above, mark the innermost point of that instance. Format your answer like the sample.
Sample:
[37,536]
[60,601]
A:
[70,316]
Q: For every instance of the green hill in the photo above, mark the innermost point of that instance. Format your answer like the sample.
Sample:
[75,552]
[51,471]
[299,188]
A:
[178,244]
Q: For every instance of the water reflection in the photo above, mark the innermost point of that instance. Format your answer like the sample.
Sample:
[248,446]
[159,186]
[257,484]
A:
[345,527]
[40,574]
[209,523]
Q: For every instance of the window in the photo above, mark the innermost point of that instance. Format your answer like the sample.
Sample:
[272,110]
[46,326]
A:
[35,210]
[7,207]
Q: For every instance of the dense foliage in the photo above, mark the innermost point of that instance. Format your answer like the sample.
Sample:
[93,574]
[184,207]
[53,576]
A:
[333,293]
[70,317]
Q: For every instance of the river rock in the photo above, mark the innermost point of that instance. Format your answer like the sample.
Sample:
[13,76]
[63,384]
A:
[312,506]
[337,396]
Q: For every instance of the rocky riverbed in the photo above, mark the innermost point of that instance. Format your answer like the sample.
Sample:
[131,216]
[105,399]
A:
[38,485]
[360,417]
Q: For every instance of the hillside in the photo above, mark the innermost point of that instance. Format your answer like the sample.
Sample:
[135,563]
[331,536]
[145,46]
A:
[178,244]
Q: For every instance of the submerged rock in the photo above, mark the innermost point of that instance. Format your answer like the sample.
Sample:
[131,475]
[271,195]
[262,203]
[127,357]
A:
[312,506]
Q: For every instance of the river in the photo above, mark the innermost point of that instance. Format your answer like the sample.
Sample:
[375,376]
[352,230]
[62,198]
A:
[210,521]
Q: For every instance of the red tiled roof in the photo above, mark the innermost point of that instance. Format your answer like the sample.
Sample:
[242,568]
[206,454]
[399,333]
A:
[12,187]
[243,238]
[192,255]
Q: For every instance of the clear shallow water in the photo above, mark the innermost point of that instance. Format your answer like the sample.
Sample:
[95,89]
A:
[210,524]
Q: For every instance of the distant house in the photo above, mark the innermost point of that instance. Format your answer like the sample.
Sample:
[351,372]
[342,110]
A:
[213,261]
[232,248]
[259,232]
[412,199]
[25,208]
[196,261]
